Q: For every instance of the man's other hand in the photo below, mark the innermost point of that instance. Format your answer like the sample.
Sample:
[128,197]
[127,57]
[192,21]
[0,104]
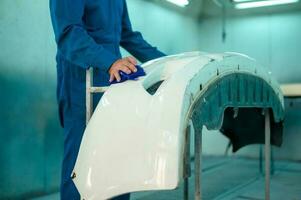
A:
[127,65]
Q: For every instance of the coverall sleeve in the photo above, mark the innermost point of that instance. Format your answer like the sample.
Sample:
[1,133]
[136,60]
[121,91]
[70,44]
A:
[73,41]
[133,41]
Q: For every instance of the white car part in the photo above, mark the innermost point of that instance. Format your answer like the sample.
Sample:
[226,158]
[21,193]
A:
[135,138]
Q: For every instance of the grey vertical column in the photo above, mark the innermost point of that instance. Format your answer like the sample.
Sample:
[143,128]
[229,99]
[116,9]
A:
[198,164]
[89,95]
[187,170]
[267,154]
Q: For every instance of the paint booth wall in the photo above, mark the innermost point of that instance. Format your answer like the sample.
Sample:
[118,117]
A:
[30,137]
[273,40]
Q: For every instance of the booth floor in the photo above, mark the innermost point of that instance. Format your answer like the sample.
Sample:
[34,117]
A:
[230,178]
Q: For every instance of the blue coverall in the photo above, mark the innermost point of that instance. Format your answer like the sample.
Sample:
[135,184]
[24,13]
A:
[88,34]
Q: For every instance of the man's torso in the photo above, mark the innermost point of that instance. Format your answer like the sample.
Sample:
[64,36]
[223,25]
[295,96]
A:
[102,20]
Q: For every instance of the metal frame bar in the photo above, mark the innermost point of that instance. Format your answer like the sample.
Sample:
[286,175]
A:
[187,167]
[198,165]
[267,154]
[90,90]
[261,160]
[198,160]
[89,96]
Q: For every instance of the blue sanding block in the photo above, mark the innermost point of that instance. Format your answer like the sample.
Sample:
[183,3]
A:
[132,76]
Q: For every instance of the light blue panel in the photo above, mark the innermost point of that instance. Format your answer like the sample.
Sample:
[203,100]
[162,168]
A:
[274,40]
[31,139]
[23,154]
[165,28]
[286,46]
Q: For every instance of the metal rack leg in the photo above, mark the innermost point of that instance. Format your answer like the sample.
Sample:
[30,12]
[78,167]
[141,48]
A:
[186,189]
[267,154]
[198,164]
[89,95]
[187,170]
[261,161]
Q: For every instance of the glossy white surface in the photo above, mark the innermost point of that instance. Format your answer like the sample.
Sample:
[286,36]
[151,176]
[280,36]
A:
[134,140]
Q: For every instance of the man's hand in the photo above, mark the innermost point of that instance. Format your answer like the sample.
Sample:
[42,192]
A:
[127,65]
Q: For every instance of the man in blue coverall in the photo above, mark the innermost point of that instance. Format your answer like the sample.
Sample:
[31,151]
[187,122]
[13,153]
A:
[88,34]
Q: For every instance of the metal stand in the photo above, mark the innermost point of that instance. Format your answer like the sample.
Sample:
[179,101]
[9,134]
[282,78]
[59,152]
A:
[187,168]
[269,159]
[198,160]
[90,90]
[261,160]
[89,96]
[267,154]
[198,165]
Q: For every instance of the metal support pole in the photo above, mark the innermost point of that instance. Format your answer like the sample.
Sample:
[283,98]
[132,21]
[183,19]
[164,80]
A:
[187,169]
[90,90]
[267,154]
[186,188]
[198,165]
[89,95]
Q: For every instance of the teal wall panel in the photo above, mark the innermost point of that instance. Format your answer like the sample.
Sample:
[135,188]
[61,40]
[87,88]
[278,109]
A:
[31,140]
[30,137]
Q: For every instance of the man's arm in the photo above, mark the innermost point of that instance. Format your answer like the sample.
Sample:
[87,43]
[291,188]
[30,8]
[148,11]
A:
[72,39]
[133,41]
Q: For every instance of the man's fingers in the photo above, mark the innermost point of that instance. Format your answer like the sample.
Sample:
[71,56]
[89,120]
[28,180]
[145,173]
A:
[131,66]
[112,77]
[117,76]
[132,60]
[127,65]
[125,69]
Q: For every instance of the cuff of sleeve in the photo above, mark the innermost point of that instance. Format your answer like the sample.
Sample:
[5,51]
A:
[104,60]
